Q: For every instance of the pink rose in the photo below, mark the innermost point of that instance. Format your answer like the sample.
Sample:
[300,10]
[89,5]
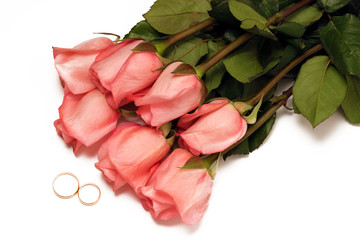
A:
[73,64]
[123,72]
[85,119]
[130,155]
[172,191]
[212,128]
[170,97]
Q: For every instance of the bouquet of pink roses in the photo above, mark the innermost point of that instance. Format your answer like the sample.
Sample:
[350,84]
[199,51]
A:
[201,75]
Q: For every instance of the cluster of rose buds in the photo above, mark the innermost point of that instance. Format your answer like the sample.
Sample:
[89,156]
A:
[99,77]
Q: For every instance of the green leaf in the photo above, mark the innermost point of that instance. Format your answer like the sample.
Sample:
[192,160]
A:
[319,89]
[351,104]
[295,108]
[144,31]
[214,75]
[306,15]
[250,19]
[291,29]
[332,5]
[194,163]
[171,17]
[254,140]
[244,64]
[188,50]
[341,40]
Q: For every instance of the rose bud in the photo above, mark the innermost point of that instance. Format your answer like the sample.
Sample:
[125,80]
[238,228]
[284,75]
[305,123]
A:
[85,119]
[73,64]
[123,72]
[173,191]
[212,128]
[130,154]
[171,96]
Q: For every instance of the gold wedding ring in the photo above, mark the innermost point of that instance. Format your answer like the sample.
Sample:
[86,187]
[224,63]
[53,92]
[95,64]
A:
[89,203]
[69,196]
[79,188]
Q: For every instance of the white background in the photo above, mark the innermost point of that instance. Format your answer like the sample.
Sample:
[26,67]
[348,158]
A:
[301,184]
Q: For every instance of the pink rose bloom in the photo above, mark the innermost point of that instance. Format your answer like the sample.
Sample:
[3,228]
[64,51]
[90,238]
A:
[130,155]
[170,97]
[172,191]
[212,128]
[85,119]
[123,72]
[73,64]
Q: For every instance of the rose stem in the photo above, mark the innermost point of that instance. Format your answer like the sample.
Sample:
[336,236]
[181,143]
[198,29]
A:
[202,68]
[279,17]
[283,98]
[282,73]
[161,47]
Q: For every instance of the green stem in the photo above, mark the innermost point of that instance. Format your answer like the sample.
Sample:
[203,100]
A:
[262,119]
[161,47]
[252,101]
[202,68]
[280,16]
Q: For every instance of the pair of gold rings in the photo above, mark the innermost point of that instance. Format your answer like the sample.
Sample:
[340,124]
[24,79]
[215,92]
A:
[79,188]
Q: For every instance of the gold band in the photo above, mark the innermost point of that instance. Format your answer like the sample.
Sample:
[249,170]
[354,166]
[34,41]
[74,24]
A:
[69,196]
[91,203]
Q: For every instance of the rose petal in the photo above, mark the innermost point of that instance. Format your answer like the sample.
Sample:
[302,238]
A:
[170,97]
[188,119]
[139,71]
[73,64]
[133,150]
[109,62]
[215,131]
[87,117]
[187,190]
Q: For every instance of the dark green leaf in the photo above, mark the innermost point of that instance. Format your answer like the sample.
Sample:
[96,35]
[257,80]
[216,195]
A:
[189,50]
[269,50]
[306,15]
[353,7]
[244,64]
[341,39]
[171,17]
[290,53]
[291,29]
[258,137]
[230,87]
[233,89]
[285,3]
[319,89]
[351,104]
[231,34]
[242,148]
[144,31]
[214,75]
[222,13]
[254,140]
[267,7]
[332,5]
